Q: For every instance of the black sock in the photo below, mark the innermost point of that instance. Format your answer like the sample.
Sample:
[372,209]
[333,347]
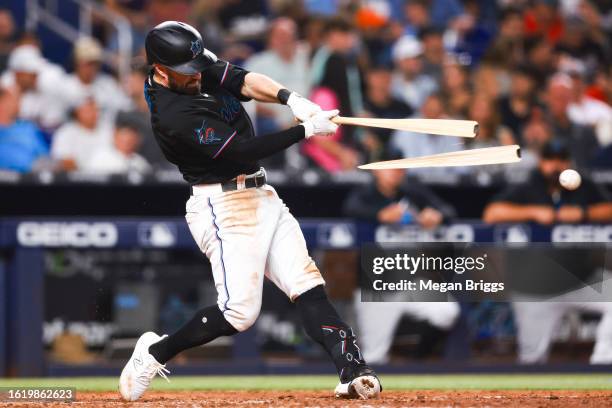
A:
[324,325]
[207,324]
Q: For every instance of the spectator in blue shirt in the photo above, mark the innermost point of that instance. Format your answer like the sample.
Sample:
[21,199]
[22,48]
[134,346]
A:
[21,142]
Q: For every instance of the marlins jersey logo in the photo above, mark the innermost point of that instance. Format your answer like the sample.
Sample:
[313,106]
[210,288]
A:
[206,135]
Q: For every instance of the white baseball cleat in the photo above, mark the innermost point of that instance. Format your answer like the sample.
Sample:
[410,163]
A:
[141,368]
[365,385]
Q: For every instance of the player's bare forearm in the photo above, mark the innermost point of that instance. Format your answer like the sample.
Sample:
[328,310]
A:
[264,89]
[261,87]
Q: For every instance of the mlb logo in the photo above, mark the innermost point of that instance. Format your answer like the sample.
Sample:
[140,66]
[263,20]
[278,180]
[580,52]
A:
[336,235]
[515,234]
[157,234]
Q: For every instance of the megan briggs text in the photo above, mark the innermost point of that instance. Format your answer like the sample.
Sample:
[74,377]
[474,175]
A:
[430,285]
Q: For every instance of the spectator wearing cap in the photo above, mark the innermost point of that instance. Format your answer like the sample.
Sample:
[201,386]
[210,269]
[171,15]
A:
[21,143]
[411,83]
[581,139]
[40,84]
[121,157]
[515,108]
[77,141]
[89,80]
[380,103]
[541,198]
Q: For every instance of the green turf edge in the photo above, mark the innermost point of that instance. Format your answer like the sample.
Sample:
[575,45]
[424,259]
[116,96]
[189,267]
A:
[301,382]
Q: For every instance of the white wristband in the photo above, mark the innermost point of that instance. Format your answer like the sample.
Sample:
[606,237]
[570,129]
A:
[292,98]
[308,129]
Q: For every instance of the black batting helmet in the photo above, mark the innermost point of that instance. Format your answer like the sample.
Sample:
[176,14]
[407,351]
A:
[179,47]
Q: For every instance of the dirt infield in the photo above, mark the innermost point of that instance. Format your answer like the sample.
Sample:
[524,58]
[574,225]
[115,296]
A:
[426,398]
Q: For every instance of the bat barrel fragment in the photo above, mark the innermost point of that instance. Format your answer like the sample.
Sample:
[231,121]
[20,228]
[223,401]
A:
[474,157]
[444,127]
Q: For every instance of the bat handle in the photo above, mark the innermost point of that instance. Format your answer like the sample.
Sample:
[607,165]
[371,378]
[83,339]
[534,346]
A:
[340,120]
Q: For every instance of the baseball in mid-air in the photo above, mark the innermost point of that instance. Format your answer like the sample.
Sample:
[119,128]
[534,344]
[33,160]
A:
[570,179]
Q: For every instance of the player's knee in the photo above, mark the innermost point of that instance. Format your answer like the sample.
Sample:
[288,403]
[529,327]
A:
[246,320]
[243,316]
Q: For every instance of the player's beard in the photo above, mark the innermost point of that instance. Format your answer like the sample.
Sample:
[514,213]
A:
[192,87]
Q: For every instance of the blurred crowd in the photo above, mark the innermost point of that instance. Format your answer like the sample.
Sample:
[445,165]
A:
[529,71]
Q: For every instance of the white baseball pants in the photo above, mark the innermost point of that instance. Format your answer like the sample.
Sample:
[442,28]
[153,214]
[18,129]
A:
[378,321]
[537,322]
[247,234]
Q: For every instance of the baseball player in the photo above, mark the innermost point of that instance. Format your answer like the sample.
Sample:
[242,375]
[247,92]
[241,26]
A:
[237,220]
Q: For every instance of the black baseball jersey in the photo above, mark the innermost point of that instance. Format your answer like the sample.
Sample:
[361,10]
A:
[209,136]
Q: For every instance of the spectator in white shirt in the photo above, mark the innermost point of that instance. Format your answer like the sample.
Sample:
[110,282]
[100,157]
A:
[121,156]
[40,84]
[285,60]
[410,84]
[88,79]
[75,143]
[588,111]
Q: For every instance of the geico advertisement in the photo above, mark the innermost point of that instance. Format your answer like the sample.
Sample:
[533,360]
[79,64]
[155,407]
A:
[67,234]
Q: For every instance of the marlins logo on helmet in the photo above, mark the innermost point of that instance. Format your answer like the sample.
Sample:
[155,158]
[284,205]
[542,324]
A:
[196,48]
